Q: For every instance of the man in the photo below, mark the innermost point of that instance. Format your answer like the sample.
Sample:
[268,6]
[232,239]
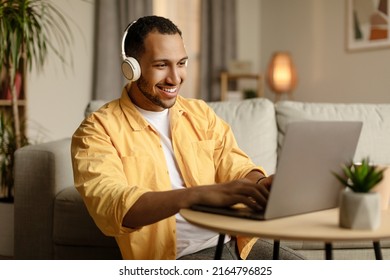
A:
[140,159]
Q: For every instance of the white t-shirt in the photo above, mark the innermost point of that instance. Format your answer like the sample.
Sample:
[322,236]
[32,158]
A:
[190,238]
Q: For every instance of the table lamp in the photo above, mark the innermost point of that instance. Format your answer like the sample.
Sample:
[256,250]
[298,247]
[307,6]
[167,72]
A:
[281,76]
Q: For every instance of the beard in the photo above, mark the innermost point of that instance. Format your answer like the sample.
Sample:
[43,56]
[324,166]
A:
[146,89]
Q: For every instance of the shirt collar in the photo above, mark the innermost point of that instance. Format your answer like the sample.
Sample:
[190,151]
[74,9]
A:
[134,117]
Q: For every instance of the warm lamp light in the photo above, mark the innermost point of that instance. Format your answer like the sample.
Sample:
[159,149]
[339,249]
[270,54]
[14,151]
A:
[282,77]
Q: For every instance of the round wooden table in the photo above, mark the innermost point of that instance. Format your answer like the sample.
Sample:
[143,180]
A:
[316,226]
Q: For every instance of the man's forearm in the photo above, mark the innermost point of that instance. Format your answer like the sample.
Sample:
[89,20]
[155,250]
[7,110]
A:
[152,207]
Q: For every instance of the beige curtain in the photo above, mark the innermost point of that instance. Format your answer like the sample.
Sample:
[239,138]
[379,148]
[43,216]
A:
[218,44]
[111,19]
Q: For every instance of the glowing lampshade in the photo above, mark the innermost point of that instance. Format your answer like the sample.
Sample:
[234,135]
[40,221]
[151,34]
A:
[281,76]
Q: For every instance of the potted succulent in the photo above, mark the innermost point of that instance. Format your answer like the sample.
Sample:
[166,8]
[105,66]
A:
[360,207]
[249,93]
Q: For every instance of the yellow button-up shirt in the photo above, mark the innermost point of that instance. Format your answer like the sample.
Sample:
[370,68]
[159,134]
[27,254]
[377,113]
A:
[117,156]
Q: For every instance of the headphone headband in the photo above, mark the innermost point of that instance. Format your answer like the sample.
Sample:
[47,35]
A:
[124,38]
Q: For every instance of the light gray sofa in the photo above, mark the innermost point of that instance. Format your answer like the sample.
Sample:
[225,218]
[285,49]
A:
[51,221]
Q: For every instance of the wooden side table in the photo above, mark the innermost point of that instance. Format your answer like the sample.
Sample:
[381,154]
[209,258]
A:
[225,77]
[316,226]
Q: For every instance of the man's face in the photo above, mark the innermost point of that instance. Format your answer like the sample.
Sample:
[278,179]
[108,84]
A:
[163,70]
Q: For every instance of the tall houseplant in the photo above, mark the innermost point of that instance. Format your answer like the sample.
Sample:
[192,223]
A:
[7,159]
[28,30]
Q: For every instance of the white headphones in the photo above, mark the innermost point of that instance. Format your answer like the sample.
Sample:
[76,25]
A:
[130,66]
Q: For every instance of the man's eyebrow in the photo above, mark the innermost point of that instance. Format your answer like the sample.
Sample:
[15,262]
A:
[168,60]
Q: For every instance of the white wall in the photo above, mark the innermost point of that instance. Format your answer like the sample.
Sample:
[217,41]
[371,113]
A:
[248,29]
[57,97]
[249,36]
[314,32]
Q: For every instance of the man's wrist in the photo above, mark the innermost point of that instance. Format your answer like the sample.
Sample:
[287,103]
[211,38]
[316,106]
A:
[260,179]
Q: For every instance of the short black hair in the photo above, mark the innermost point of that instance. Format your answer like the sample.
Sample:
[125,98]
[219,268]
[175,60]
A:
[139,29]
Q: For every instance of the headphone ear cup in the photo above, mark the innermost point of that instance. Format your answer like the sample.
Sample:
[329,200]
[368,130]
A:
[131,69]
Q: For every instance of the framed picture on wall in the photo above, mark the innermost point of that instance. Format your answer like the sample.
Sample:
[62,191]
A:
[368,24]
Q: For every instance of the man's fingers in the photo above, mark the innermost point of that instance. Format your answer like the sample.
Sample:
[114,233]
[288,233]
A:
[254,194]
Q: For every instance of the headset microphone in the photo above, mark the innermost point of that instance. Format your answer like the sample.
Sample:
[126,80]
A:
[130,66]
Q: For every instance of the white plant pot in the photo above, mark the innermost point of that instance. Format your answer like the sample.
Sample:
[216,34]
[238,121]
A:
[6,229]
[360,210]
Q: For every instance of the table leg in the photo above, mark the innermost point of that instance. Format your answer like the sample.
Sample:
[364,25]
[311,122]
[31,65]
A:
[328,251]
[378,251]
[218,251]
[276,249]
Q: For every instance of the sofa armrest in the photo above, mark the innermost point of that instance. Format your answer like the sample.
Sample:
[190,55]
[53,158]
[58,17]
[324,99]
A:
[41,171]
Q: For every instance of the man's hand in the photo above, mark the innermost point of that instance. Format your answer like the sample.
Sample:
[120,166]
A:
[243,191]
[152,207]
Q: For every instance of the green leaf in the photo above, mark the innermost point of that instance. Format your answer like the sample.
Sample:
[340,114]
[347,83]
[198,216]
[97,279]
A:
[360,177]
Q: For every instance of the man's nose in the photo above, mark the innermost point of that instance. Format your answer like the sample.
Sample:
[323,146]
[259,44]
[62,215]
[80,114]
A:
[175,75]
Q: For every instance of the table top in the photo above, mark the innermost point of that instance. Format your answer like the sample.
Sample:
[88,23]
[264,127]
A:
[315,226]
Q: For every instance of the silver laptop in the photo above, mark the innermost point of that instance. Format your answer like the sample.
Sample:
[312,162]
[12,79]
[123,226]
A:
[303,180]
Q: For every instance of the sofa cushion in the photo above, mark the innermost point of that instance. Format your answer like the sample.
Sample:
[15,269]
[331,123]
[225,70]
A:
[93,106]
[375,135]
[254,126]
[72,223]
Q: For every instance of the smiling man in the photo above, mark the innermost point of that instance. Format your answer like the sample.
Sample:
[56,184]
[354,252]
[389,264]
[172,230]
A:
[163,71]
[141,158]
